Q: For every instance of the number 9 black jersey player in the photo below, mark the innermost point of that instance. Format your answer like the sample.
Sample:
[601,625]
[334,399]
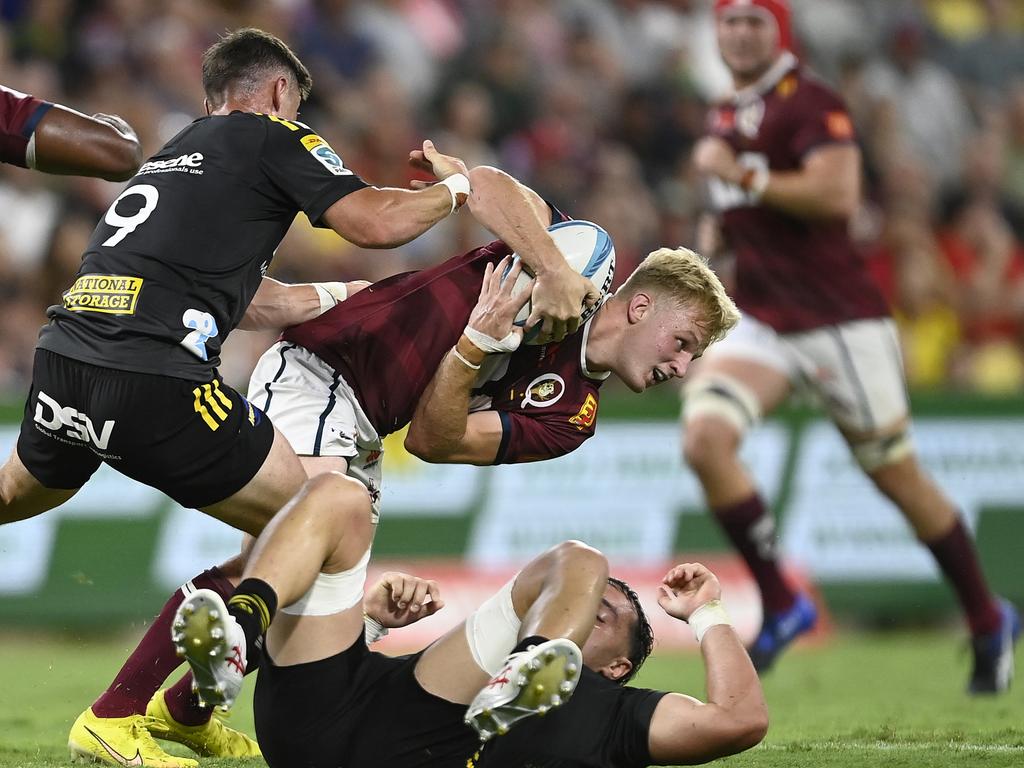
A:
[125,370]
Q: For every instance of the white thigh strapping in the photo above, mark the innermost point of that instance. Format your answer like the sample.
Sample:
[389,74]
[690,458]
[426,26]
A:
[492,630]
[332,592]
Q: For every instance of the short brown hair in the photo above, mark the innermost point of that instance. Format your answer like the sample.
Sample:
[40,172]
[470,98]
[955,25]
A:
[241,59]
[684,275]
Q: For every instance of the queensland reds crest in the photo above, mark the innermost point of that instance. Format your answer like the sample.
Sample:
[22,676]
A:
[749,117]
[546,390]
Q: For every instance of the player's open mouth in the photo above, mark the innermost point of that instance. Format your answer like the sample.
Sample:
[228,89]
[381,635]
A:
[658,376]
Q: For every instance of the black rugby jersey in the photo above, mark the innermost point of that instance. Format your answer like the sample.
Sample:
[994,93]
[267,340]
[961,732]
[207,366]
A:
[177,258]
[604,725]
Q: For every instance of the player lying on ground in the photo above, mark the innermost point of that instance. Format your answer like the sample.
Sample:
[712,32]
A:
[53,138]
[323,699]
[387,356]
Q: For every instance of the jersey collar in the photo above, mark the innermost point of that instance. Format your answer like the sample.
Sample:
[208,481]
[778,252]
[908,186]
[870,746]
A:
[782,66]
[583,352]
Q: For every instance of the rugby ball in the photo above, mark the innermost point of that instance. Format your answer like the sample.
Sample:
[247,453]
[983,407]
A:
[589,251]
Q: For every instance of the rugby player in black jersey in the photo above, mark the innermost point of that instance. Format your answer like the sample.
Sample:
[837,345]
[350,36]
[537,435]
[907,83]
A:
[323,699]
[126,368]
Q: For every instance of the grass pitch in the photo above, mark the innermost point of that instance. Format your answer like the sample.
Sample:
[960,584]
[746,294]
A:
[889,700]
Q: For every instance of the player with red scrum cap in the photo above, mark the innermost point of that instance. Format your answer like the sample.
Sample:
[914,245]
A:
[783,173]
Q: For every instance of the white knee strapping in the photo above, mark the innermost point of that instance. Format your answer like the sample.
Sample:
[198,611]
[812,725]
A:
[492,631]
[724,397]
[879,452]
[332,592]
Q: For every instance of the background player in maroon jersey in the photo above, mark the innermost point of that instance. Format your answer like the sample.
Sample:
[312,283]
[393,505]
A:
[783,172]
[336,385]
[56,139]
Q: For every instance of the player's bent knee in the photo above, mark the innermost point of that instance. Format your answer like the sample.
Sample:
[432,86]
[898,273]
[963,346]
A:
[577,556]
[711,403]
[342,500]
[877,452]
[338,491]
[724,397]
[332,593]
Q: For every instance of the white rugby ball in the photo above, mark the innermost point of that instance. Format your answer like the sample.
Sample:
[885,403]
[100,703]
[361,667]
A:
[589,251]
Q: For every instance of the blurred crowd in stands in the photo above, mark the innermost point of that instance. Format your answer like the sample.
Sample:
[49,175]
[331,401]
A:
[596,104]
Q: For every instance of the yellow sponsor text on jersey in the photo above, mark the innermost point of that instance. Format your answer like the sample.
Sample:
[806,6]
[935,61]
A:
[111,294]
[311,141]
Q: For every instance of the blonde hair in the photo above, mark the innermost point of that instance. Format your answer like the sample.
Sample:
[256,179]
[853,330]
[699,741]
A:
[685,276]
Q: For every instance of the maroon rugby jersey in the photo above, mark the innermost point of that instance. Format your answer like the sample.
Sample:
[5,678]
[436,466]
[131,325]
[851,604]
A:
[19,115]
[792,273]
[388,340]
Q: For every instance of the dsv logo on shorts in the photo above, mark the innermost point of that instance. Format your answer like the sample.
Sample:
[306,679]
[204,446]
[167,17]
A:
[53,416]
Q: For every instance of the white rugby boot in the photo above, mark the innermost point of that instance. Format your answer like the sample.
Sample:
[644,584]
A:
[210,640]
[532,682]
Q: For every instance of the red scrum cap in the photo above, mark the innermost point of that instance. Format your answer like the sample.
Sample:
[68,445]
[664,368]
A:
[777,9]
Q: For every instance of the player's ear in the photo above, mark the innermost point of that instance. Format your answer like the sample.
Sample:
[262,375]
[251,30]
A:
[206,106]
[281,86]
[617,668]
[639,306]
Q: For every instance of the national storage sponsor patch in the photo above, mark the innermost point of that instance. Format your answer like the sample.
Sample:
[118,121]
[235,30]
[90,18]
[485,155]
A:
[112,294]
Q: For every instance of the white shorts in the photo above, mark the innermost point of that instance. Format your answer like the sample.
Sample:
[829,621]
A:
[855,369]
[318,412]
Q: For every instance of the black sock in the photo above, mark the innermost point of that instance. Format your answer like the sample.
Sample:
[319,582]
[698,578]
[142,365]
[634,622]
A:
[526,642]
[253,605]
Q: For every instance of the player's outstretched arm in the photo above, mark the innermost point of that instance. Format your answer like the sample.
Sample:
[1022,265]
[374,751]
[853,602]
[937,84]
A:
[517,216]
[278,305]
[386,217]
[68,142]
[735,717]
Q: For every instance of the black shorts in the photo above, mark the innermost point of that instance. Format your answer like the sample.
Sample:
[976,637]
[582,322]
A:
[357,709]
[197,442]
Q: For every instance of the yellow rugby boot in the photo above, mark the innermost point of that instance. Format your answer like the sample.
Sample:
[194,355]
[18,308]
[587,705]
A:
[122,741]
[213,739]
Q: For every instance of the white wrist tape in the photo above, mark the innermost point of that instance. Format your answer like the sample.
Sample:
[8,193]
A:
[711,614]
[759,183]
[373,629]
[491,345]
[30,152]
[331,294]
[457,183]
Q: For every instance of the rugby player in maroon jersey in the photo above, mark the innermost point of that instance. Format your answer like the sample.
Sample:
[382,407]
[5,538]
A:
[168,272]
[397,352]
[56,139]
[783,173]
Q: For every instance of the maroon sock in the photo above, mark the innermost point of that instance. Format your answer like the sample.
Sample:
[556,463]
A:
[154,657]
[955,553]
[751,529]
[183,704]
